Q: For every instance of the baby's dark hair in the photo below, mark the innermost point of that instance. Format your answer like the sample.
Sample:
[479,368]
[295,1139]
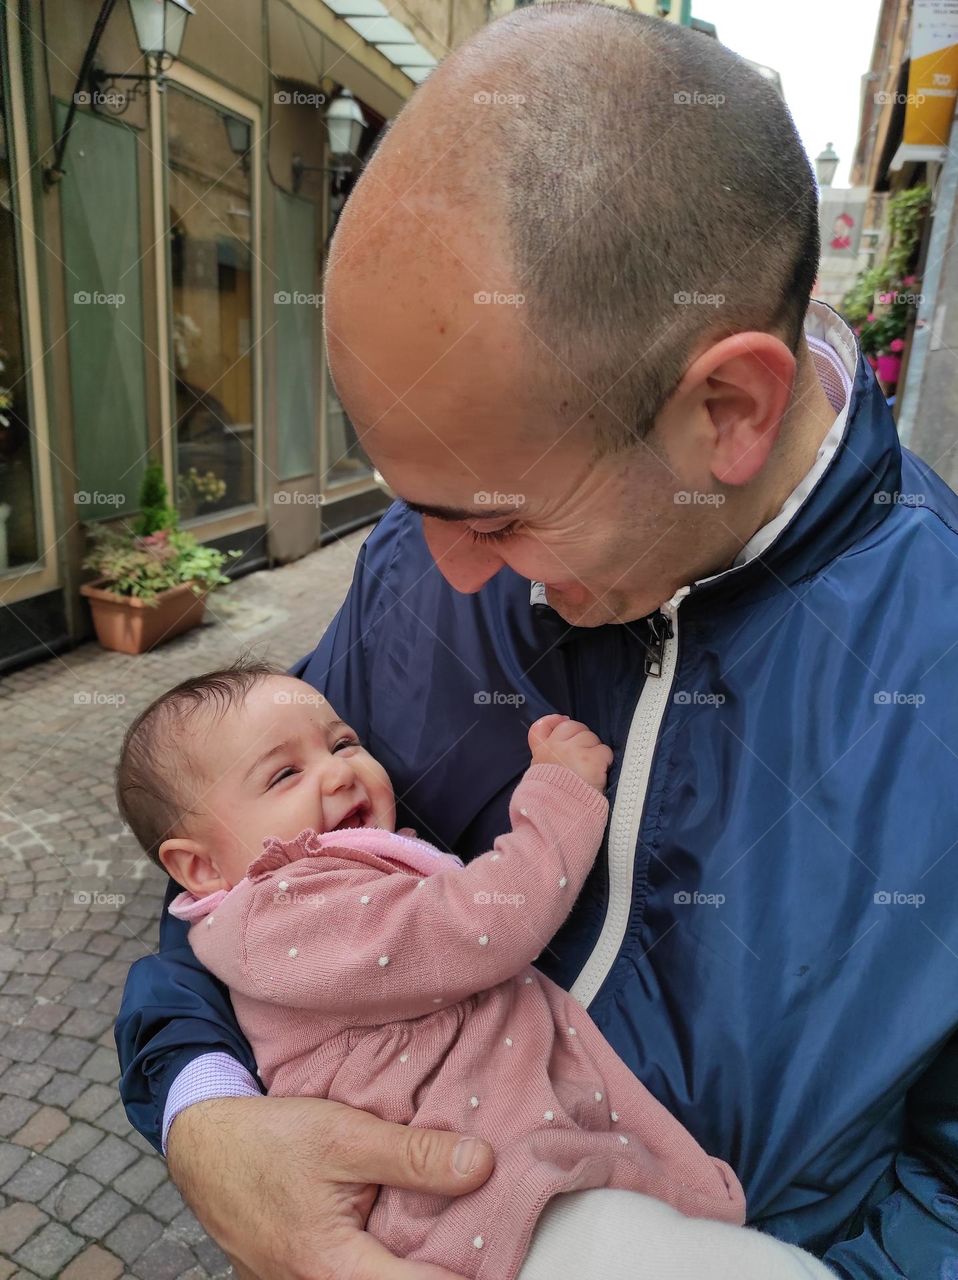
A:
[155,782]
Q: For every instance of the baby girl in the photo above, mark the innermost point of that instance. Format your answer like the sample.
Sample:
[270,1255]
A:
[368,967]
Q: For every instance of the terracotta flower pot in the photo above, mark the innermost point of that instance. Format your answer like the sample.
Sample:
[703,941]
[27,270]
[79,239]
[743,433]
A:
[128,625]
[889,367]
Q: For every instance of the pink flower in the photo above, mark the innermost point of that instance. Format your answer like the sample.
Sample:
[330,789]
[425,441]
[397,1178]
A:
[858,329]
[910,280]
[896,345]
[870,318]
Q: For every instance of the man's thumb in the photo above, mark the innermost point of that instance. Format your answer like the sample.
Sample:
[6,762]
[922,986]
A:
[443,1163]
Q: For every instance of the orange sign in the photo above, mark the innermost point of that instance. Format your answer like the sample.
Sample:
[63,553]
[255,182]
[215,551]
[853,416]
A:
[933,74]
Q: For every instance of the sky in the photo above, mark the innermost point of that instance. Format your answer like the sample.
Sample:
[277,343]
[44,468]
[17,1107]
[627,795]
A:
[820,48]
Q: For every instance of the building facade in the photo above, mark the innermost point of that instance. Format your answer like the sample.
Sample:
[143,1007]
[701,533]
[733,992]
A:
[161,297]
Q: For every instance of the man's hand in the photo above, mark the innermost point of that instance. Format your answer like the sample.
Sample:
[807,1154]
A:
[558,740]
[285,1185]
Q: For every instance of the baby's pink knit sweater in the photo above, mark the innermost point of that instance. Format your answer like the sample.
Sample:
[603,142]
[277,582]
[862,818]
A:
[369,968]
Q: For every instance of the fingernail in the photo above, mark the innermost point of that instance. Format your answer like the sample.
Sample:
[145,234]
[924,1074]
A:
[464,1155]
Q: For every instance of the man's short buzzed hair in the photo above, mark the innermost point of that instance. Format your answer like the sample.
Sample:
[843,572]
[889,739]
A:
[658,196]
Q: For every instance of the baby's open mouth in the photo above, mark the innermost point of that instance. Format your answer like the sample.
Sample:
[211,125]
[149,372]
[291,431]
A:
[356,817]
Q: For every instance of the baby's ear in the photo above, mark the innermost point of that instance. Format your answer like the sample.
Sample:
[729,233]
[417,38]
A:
[188,863]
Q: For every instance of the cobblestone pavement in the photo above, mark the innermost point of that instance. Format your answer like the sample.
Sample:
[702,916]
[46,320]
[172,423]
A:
[82,1196]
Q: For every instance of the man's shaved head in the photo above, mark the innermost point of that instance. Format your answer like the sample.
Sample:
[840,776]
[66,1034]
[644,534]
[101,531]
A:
[567,294]
[645,188]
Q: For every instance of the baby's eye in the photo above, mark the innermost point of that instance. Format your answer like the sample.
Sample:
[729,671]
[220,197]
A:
[343,743]
[283,773]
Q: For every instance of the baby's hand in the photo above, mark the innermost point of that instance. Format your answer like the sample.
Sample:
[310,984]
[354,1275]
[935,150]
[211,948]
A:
[559,740]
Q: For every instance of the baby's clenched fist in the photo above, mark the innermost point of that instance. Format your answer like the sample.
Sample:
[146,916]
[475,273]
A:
[556,739]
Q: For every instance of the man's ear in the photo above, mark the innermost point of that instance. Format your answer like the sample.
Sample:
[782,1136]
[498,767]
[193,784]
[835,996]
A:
[189,865]
[740,389]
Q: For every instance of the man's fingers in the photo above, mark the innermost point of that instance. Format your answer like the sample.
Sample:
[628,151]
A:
[394,1155]
[373,1262]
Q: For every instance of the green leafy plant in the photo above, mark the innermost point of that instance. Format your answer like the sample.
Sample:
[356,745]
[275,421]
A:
[883,300]
[144,566]
[155,554]
[156,513]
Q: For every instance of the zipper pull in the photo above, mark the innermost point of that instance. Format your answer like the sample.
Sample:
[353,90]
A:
[660,630]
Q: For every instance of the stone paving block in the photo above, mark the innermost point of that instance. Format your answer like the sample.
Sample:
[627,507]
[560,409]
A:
[70,1197]
[93,1263]
[11,1158]
[17,1224]
[102,1215]
[14,1113]
[34,1179]
[8,1269]
[46,1016]
[102,1066]
[63,1089]
[24,1044]
[115,1121]
[133,1236]
[142,1179]
[165,1259]
[92,1102]
[85,995]
[87,1023]
[212,1257]
[24,1079]
[165,1202]
[42,1128]
[106,1161]
[67,1053]
[74,1143]
[48,1252]
[77,964]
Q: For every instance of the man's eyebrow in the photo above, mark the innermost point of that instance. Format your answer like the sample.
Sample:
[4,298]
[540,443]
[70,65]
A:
[273,751]
[461,513]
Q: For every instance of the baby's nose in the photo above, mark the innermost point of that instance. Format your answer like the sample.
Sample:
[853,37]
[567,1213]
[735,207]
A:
[337,775]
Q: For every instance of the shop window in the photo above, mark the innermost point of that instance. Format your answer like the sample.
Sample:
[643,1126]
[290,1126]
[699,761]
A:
[212,264]
[18,510]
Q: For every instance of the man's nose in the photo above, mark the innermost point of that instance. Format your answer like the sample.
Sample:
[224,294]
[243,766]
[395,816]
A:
[465,564]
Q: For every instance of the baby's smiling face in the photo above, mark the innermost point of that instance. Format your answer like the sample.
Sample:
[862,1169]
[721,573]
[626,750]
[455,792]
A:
[272,765]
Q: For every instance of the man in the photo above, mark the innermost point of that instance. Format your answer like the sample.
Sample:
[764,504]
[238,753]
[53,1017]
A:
[565,313]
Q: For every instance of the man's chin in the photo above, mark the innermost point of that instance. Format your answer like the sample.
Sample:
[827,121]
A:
[600,612]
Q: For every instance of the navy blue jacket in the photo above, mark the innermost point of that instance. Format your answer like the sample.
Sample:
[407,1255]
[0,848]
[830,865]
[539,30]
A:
[769,937]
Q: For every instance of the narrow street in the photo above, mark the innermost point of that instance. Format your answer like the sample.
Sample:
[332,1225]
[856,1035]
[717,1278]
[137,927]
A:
[82,1196]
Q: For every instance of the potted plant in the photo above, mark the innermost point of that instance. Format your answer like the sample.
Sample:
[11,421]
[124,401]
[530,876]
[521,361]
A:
[152,580]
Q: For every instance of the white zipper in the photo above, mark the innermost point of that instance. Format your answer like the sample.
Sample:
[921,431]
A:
[627,812]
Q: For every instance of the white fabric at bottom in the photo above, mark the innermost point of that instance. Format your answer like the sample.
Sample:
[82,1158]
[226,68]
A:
[619,1235]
